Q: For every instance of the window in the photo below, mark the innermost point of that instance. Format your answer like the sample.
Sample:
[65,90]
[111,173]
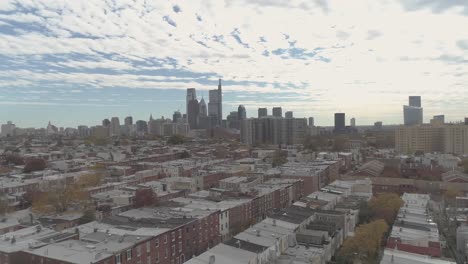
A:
[173,250]
[138,250]
[173,236]
[165,239]
[148,246]
[180,246]
[156,242]
[129,254]
[180,233]
[157,256]
[166,252]
[117,259]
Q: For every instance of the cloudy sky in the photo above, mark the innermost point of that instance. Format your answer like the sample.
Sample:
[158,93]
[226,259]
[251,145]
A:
[77,62]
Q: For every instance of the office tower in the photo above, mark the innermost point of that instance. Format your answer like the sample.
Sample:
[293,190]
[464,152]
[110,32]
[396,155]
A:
[202,111]
[141,127]
[128,121]
[191,95]
[106,122]
[176,116]
[466,120]
[8,129]
[241,113]
[413,113]
[114,126]
[425,138]
[215,106]
[353,122]
[83,131]
[288,114]
[277,111]
[378,125]
[340,126]
[233,120]
[262,112]
[192,114]
[415,101]
[311,122]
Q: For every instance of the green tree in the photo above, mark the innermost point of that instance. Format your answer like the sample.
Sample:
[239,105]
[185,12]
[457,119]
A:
[386,206]
[176,140]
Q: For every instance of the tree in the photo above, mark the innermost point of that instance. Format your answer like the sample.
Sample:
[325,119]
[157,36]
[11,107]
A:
[90,180]
[89,215]
[58,200]
[386,206]
[464,165]
[365,213]
[14,159]
[365,244]
[339,143]
[144,197]
[4,207]
[34,164]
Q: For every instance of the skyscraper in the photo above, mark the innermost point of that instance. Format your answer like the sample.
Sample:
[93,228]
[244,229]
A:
[115,126]
[202,108]
[415,101]
[141,126]
[241,113]
[277,111]
[311,122]
[176,116]
[192,114]
[106,122]
[413,112]
[353,122]
[128,121]
[191,95]
[215,106]
[340,125]
[288,114]
[262,112]
[440,118]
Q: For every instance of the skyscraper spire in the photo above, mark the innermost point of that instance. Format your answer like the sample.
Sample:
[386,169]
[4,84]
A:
[219,85]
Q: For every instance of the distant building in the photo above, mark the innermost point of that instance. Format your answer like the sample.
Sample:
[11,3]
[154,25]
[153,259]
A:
[241,113]
[99,132]
[83,131]
[415,101]
[106,122]
[273,131]
[215,106]
[277,112]
[192,114]
[425,138]
[340,126]
[311,122]
[176,117]
[440,118]
[262,112]
[413,113]
[191,95]
[8,129]
[456,139]
[202,111]
[378,125]
[353,122]
[141,127]
[115,126]
[233,120]
[288,114]
[128,121]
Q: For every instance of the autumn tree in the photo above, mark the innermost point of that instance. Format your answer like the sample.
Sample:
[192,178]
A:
[58,200]
[450,195]
[176,140]
[365,245]
[34,164]
[386,206]
[90,180]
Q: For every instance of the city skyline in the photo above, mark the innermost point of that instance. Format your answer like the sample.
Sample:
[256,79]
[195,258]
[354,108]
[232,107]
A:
[143,57]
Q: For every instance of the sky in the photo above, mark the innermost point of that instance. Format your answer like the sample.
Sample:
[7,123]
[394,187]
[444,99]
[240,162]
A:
[78,62]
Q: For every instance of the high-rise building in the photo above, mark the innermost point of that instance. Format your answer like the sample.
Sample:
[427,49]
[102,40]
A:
[191,95]
[456,139]
[233,120]
[192,114]
[141,127]
[114,126]
[353,122]
[440,118]
[413,113]
[311,122]
[8,129]
[288,114]
[415,101]
[83,131]
[273,131]
[340,125]
[128,121]
[277,112]
[425,138]
[241,113]
[215,106]
[202,111]
[106,122]
[466,120]
[378,125]
[262,112]
[176,116]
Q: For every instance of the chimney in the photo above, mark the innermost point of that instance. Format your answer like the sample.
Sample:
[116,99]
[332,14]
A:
[212,259]
[258,232]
